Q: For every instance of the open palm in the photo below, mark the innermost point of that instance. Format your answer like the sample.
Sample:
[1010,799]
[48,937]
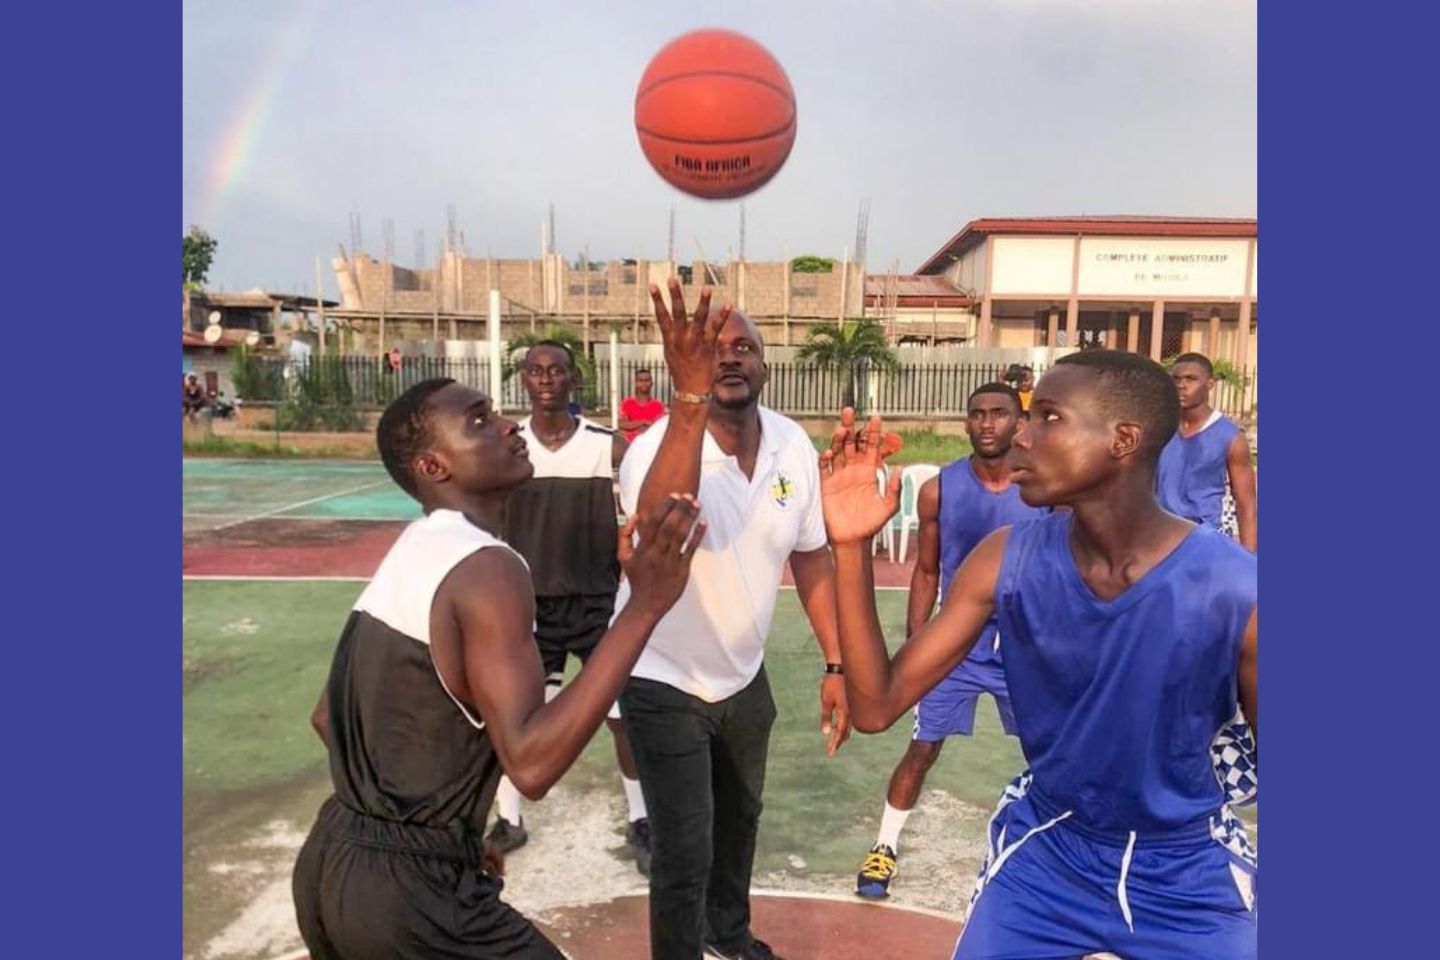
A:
[855,509]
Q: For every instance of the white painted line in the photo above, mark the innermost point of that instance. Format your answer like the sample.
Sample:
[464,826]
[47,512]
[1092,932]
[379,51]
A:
[304,503]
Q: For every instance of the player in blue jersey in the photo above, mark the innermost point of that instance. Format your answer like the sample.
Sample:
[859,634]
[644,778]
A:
[1207,453]
[1130,635]
[968,500]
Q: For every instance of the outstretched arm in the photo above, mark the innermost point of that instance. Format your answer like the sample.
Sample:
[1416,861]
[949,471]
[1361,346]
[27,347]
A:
[690,355]
[487,600]
[1242,486]
[925,581]
[879,690]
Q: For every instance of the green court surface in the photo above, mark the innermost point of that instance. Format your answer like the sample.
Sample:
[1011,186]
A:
[221,492]
[257,653]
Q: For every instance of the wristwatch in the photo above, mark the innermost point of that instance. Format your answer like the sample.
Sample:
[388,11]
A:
[690,397]
[834,668]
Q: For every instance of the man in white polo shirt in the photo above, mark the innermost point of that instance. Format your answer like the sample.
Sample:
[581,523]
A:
[698,705]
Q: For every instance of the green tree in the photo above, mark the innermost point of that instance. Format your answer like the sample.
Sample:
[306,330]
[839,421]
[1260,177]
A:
[812,264]
[197,252]
[851,347]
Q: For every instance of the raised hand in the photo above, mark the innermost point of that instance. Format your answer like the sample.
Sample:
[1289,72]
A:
[658,567]
[855,510]
[689,340]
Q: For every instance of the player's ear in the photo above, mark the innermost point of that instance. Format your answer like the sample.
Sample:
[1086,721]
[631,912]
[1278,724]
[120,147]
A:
[1126,440]
[432,467]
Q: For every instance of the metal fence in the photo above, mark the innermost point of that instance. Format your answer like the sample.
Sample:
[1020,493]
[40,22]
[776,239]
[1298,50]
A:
[916,389]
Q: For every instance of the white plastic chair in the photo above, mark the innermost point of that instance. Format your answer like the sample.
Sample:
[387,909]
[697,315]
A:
[911,478]
[887,532]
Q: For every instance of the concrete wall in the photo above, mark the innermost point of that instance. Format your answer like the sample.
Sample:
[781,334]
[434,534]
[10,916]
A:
[552,285]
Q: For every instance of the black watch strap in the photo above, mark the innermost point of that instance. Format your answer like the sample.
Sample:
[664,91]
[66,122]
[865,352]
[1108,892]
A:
[834,668]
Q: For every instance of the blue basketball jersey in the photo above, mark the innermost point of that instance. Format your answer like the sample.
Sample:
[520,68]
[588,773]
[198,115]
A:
[1190,480]
[969,512]
[1118,701]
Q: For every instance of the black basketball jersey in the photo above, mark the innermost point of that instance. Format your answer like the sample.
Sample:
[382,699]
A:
[402,747]
[563,520]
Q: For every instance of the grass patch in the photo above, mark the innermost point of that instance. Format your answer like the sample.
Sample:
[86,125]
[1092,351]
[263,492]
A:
[920,446]
[217,446]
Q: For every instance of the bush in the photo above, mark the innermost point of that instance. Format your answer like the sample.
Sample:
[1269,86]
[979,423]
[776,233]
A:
[320,398]
[811,264]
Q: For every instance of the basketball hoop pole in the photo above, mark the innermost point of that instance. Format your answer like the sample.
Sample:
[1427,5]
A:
[496,391]
[614,380]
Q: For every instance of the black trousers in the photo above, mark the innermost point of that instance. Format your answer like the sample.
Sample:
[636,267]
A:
[702,772]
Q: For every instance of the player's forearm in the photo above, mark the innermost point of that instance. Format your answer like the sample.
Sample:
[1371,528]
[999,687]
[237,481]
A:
[924,588]
[862,642]
[555,734]
[676,467]
[815,583]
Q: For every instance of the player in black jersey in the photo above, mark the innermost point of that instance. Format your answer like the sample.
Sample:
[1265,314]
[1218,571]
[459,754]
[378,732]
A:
[562,521]
[437,684]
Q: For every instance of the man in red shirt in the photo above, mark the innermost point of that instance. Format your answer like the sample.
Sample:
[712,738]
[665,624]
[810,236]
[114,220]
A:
[639,411]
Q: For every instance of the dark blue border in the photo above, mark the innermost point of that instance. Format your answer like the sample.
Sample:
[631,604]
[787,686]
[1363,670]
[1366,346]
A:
[92,795]
[92,706]
[1350,660]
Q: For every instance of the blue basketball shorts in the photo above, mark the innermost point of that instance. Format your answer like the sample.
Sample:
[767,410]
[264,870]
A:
[1052,890]
[949,709]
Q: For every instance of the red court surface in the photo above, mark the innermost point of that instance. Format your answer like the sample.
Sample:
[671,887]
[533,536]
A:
[286,547]
[797,927]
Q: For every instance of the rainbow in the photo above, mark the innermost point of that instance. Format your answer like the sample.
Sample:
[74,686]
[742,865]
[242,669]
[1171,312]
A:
[241,134]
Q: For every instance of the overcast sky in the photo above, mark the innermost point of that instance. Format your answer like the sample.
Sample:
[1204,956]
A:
[297,114]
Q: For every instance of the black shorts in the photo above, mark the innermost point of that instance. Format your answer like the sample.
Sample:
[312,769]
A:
[570,625]
[371,889]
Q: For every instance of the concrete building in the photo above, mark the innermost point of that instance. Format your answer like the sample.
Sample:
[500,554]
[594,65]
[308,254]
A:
[1153,285]
[451,300]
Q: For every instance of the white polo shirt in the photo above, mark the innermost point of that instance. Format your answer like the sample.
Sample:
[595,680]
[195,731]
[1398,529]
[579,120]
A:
[712,642]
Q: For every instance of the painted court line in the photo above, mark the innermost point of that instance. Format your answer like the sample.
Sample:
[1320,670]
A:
[305,503]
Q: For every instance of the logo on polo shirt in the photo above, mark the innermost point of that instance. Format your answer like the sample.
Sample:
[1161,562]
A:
[782,489]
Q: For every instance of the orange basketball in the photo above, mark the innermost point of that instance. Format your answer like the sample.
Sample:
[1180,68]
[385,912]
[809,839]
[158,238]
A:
[715,114]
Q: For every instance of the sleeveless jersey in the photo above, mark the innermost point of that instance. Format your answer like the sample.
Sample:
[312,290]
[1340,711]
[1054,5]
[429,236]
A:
[1190,480]
[969,512]
[563,520]
[1119,701]
[402,747]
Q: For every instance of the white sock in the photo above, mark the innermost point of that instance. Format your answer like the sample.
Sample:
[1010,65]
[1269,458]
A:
[507,801]
[891,823]
[634,797]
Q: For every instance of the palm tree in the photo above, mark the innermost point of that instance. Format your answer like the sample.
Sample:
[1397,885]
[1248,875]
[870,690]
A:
[852,346]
